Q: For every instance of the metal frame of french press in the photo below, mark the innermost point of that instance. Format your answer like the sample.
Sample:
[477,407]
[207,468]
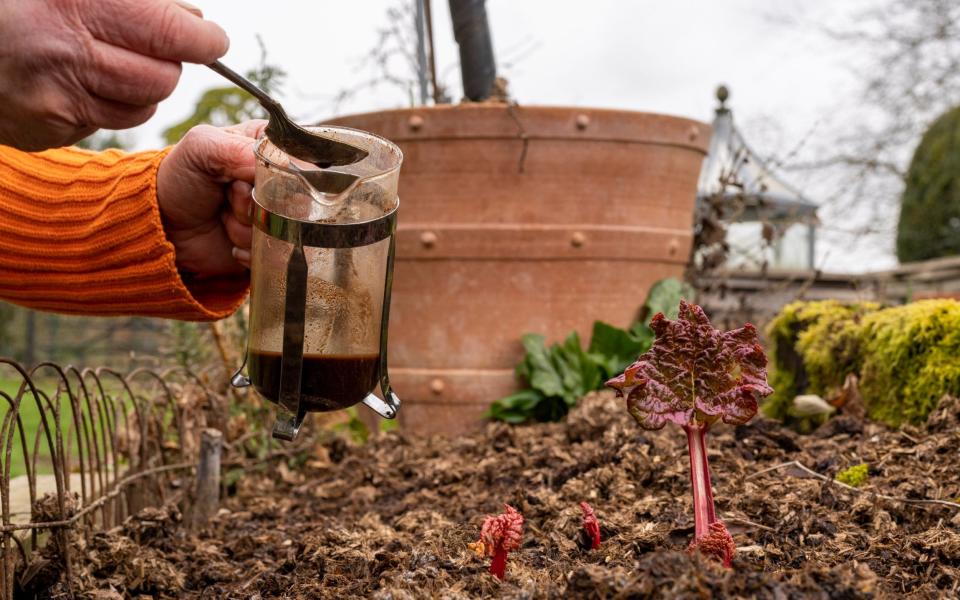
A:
[320,235]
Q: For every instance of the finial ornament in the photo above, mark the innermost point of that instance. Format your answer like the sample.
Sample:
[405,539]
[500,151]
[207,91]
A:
[723,92]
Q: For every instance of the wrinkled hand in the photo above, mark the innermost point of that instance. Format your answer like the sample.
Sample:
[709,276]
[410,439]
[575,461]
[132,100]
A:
[70,67]
[204,191]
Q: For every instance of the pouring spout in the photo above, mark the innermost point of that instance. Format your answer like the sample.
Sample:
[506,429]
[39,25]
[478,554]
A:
[323,181]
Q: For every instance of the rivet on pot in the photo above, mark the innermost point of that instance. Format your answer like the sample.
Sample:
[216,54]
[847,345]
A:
[428,239]
[415,122]
[437,386]
[583,121]
[694,133]
[578,239]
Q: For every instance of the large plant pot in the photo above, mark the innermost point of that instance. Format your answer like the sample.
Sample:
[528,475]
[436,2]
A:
[524,219]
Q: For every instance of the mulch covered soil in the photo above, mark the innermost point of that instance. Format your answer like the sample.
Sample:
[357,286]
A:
[392,518]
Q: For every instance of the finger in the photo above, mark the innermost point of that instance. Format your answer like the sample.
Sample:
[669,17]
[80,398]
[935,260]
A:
[159,28]
[251,129]
[240,196]
[107,114]
[239,234]
[117,74]
[242,257]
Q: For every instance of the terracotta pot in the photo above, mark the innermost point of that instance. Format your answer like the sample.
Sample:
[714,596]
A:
[524,219]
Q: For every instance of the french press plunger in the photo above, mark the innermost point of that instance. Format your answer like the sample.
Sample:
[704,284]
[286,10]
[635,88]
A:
[321,272]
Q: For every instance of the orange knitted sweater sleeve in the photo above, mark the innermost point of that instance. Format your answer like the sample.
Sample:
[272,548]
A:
[80,233]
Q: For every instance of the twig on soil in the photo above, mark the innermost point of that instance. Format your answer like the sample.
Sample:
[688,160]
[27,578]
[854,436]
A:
[748,523]
[812,473]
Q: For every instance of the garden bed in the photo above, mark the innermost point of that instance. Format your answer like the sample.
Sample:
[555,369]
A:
[392,518]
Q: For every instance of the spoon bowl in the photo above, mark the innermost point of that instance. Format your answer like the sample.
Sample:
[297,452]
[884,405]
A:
[290,137]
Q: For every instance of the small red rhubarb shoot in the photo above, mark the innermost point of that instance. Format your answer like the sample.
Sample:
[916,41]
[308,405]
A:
[694,375]
[590,525]
[499,536]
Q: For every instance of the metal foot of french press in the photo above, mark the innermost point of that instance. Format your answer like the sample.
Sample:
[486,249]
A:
[287,425]
[385,408]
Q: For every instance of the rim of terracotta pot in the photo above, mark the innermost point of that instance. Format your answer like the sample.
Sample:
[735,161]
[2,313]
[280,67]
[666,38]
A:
[534,122]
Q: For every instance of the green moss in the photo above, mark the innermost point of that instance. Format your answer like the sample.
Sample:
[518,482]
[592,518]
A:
[910,359]
[813,347]
[854,476]
[906,357]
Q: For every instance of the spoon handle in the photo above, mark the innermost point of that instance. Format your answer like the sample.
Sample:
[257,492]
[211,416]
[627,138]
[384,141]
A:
[242,82]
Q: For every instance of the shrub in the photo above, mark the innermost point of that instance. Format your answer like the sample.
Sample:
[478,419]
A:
[929,224]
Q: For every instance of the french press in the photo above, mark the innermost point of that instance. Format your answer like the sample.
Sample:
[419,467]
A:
[321,271]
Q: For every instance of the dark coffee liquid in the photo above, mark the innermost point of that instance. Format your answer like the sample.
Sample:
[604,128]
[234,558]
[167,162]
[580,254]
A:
[328,382]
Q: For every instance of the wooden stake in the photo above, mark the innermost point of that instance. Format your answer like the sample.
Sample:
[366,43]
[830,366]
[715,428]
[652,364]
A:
[207,501]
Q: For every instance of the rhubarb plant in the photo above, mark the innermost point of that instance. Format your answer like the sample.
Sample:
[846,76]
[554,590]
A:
[694,376]
[499,536]
[591,526]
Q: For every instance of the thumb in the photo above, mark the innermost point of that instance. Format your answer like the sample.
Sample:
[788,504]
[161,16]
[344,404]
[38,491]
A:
[218,154]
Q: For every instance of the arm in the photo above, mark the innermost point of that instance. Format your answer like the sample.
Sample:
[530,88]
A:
[150,233]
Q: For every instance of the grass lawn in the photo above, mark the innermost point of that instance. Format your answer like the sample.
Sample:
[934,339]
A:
[30,416]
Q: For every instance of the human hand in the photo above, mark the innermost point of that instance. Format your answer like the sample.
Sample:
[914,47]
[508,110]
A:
[204,189]
[70,67]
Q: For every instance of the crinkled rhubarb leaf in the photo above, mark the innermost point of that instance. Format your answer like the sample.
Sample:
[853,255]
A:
[694,373]
[502,531]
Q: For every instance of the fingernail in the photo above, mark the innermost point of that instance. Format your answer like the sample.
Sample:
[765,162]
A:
[190,7]
[250,210]
[241,255]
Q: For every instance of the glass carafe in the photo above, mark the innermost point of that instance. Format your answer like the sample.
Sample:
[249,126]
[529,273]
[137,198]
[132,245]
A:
[321,269]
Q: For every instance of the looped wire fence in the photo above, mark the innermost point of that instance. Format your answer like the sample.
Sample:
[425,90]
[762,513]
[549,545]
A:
[85,448]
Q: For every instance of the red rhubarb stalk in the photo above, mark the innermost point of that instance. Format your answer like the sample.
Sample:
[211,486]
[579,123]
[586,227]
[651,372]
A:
[498,566]
[704,511]
[694,375]
[591,525]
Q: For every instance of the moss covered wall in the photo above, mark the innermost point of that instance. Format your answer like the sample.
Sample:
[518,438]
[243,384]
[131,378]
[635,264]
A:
[906,357]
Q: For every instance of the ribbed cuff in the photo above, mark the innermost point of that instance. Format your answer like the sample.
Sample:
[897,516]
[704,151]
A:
[81,233]
[206,299]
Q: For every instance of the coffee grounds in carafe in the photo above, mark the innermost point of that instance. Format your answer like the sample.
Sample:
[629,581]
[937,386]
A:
[328,382]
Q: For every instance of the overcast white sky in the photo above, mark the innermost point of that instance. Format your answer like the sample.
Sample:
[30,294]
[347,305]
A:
[660,56]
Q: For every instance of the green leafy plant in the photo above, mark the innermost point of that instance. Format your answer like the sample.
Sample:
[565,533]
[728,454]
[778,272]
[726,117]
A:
[559,375]
[854,476]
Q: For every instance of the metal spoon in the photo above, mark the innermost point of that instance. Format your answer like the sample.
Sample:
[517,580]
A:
[290,137]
